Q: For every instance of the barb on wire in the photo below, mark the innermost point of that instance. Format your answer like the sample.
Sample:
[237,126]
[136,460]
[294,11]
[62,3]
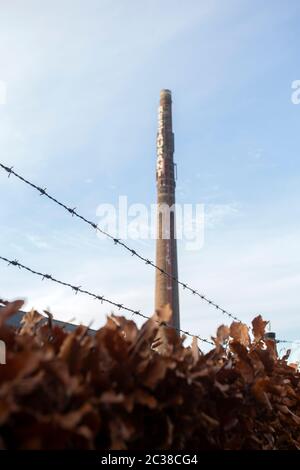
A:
[290,341]
[121,243]
[97,297]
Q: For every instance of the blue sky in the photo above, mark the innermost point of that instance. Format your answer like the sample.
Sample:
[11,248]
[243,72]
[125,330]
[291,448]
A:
[83,81]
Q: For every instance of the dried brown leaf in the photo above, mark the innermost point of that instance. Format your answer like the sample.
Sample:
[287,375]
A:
[259,327]
[239,332]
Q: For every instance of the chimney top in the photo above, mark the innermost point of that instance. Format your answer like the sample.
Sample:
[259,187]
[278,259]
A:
[165,96]
[165,91]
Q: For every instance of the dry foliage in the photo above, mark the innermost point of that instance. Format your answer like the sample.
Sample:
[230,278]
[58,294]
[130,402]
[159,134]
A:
[113,390]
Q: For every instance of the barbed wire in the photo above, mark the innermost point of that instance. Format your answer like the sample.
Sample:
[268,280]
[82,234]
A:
[77,289]
[101,298]
[288,341]
[117,241]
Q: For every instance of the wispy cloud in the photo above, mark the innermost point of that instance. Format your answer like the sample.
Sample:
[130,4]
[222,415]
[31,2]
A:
[218,214]
[38,242]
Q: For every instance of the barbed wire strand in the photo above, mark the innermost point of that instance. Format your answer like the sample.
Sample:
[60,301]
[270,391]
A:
[119,306]
[73,212]
[288,341]
[101,298]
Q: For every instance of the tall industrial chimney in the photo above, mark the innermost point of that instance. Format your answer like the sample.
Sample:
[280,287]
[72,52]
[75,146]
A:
[166,288]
